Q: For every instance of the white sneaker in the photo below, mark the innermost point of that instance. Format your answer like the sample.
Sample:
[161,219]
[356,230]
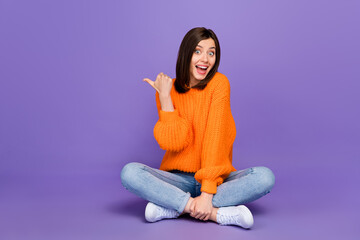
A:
[237,215]
[155,212]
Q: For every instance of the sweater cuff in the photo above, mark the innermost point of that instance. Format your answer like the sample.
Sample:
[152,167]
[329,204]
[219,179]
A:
[168,116]
[208,186]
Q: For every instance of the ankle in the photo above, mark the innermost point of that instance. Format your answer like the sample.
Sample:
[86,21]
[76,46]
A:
[214,214]
[187,207]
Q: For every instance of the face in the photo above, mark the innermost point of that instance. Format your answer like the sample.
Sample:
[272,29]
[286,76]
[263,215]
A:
[202,61]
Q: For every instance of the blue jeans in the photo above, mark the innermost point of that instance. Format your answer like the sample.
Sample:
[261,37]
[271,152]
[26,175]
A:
[172,189]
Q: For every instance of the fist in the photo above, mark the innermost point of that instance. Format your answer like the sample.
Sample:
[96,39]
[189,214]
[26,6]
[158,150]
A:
[162,84]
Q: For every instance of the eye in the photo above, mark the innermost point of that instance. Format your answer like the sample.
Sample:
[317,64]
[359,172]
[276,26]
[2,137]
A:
[211,53]
[197,51]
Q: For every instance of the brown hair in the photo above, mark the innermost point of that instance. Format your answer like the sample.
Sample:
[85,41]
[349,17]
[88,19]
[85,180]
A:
[186,50]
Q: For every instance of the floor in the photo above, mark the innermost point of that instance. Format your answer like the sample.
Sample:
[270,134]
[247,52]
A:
[97,207]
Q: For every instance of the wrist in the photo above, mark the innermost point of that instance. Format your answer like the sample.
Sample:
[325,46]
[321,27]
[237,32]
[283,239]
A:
[166,103]
[207,195]
[164,96]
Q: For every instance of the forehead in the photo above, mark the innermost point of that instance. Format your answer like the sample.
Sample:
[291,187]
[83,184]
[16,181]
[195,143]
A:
[207,43]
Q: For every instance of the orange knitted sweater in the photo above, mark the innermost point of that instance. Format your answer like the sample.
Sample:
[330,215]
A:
[198,135]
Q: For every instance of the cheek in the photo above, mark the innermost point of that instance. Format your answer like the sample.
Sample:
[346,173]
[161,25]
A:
[192,64]
[195,59]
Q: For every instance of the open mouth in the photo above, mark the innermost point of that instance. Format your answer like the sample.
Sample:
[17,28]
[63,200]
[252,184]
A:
[201,69]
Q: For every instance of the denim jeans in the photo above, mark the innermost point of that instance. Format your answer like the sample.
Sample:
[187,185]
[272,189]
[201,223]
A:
[172,189]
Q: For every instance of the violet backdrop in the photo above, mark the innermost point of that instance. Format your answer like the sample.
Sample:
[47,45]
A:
[74,110]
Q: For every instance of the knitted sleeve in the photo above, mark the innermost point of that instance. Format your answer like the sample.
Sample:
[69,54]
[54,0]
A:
[172,132]
[216,155]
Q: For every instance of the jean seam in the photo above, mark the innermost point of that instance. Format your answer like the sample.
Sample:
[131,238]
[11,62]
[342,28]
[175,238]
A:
[188,183]
[248,172]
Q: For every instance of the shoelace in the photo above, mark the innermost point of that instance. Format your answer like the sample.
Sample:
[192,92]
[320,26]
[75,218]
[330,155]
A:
[228,219]
[167,212]
[233,218]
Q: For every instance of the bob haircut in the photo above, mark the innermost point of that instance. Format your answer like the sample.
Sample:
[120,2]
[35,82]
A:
[186,50]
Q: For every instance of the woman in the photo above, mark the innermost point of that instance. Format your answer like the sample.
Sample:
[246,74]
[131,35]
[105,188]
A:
[197,130]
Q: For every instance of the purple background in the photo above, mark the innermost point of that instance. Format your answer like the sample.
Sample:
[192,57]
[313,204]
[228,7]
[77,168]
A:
[74,111]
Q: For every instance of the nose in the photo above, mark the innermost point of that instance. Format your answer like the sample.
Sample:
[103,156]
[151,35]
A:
[204,57]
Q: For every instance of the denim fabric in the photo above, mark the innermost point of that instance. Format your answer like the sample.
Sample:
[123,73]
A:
[174,188]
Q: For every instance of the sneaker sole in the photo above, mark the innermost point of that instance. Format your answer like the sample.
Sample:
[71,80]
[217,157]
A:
[249,221]
[149,212]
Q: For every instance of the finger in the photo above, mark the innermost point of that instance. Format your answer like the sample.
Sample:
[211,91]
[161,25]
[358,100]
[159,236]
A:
[167,77]
[194,213]
[192,207]
[148,81]
[198,215]
[194,210]
[163,76]
[159,75]
[151,84]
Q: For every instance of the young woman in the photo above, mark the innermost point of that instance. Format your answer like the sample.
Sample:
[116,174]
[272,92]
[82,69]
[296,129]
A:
[197,130]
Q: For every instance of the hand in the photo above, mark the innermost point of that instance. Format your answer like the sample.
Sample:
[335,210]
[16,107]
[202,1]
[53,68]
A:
[201,207]
[162,84]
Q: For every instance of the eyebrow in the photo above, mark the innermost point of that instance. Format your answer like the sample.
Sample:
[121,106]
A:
[202,47]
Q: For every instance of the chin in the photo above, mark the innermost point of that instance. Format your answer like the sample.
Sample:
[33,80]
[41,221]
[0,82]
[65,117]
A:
[200,77]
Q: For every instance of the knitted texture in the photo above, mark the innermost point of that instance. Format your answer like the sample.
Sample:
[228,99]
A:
[198,135]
